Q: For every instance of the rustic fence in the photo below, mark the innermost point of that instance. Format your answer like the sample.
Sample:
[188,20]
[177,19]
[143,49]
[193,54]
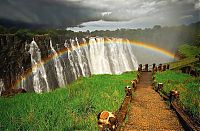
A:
[188,122]
[153,67]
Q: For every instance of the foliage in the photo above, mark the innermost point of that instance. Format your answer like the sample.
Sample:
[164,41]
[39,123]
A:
[189,50]
[188,86]
[164,37]
[73,107]
[183,62]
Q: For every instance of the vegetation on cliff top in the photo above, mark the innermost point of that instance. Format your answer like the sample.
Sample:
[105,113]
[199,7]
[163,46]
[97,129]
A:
[170,37]
[74,107]
[189,50]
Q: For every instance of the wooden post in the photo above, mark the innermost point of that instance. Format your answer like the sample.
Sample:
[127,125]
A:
[134,82]
[154,65]
[138,76]
[164,68]
[160,67]
[160,86]
[168,66]
[155,69]
[173,95]
[107,121]
[140,67]
[146,67]
[128,91]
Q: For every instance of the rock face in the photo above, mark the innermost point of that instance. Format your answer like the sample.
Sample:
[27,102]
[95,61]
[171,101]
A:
[15,60]
[15,57]
[12,92]
[42,63]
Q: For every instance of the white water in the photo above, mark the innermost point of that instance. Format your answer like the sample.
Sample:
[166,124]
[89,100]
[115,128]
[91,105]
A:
[100,56]
[110,57]
[58,66]
[1,86]
[70,56]
[22,83]
[79,56]
[40,83]
[87,56]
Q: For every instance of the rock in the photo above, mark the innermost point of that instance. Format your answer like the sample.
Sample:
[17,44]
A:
[12,92]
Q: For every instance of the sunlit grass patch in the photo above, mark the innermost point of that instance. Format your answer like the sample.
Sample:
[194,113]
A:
[71,108]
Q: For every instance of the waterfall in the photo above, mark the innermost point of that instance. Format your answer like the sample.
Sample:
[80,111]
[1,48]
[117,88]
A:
[1,86]
[70,58]
[40,83]
[110,56]
[58,66]
[22,83]
[98,56]
[133,59]
[79,55]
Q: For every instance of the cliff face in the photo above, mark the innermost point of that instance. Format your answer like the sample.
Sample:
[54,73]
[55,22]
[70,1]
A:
[15,58]
[42,63]
[45,63]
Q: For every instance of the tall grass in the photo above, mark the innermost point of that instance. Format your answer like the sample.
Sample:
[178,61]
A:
[73,107]
[188,86]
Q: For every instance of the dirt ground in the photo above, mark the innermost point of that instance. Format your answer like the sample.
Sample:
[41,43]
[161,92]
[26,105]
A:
[148,111]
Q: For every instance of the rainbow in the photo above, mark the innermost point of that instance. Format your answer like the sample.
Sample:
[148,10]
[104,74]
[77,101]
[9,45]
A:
[124,41]
[154,48]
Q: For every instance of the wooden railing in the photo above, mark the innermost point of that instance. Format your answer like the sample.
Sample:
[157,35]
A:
[153,67]
[177,106]
[123,110]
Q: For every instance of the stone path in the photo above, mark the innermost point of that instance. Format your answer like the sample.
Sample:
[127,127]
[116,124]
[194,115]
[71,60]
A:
[148,111]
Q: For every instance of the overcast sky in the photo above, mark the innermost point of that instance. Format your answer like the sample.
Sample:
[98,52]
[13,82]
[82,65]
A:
[101,14]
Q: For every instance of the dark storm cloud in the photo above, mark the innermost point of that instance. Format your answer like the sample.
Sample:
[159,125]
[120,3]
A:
[161,11]
[47,12]
[62,13]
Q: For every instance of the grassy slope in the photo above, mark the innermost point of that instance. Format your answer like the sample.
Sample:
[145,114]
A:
[182,62]
[188,86]
[72,108]
[188,50]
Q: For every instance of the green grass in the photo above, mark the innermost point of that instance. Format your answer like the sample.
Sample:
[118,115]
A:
[188,86]
[71,108]
[189,50]
[182,63]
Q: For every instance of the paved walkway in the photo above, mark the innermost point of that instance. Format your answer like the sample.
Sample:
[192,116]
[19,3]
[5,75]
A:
[148,111]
